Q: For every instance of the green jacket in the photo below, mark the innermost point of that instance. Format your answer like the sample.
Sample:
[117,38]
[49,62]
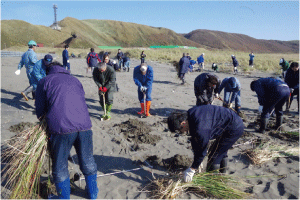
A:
[285,65]
[105,79]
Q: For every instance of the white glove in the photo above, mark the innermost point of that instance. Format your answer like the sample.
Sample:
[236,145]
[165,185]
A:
[68,61]
[260,109]
[142,89]
[18,72]
[291,90]
[188,175]
[145,89]
[216,95]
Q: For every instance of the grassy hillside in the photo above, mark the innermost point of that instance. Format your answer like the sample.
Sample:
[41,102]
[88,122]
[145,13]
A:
[240,42]
[91,33]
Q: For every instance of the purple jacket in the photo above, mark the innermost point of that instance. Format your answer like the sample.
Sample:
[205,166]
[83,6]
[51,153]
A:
[60,97]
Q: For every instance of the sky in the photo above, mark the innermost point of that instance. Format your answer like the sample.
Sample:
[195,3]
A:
[269,20]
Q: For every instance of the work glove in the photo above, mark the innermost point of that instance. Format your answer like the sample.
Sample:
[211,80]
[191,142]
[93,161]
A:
[188,175]
[68,61]
[18,72]
[216,95]
[291,90]
[260,109]
[103,89]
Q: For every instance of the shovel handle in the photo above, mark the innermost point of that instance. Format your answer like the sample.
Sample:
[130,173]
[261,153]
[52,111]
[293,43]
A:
[103,96]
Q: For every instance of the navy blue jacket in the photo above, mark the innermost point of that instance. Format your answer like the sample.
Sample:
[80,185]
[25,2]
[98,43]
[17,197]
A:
[231,84]
[143,80]
[60,96]
[125,59]
[65,55]
[235,62]
[184,64]
[114,65]
[92,59]
[266,87]
[120,55]
[208,122]
[201,89]
[292,78]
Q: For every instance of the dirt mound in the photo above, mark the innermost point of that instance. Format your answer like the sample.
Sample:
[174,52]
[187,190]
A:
[175,163]
[138,132]
[291,137]
[20,127]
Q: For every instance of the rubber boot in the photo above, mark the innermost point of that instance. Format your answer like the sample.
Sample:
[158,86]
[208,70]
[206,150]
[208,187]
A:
[223,165]
[91,186]
[263,125]
[26,92]
[128,69]
[142,111]
[63,190]
[108,110]
[288,106]
[33,95]
[213,168]
[148,105]
[279,120]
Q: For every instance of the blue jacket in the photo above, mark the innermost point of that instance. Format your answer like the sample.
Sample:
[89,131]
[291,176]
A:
[235,62]
[65,55]
[92,59]
[120,55]
[60,96]
[184,64]
[265,87]
[125,59]
[208,122]
[200,59]
[39,72]
[231,84]
[201,89]
[28,59]
[143,80]
[192,62]
[292,78]
[251,56]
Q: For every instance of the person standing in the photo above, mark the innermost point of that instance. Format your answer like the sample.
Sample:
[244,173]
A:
[28,59]
[143,56]
[204,86]
[232,86]
[184,63]
[200,60]
[105,78]
[188,56]
[284,66]
[40,70]
[60,99]
[66,61]
[143,78]
[206,123]
[126,63]
[272,94]
[92,60]
[235,64]
[251,55]
[292,80]
[120,56]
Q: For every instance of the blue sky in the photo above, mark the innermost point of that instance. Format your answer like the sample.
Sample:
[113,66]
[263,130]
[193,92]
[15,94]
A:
[278,20]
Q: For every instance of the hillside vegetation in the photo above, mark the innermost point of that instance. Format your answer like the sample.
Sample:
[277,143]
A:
[240,42]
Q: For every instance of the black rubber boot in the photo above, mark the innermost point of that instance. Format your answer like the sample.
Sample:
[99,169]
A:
[263,125]
[279,121]
[128,69]
[212,167]
[223,165]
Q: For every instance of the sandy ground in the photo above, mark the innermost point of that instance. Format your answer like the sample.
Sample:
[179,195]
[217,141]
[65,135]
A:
[113,140]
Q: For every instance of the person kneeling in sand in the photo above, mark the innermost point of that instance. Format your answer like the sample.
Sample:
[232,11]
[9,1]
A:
[105,78]
[205,123]
[143,78]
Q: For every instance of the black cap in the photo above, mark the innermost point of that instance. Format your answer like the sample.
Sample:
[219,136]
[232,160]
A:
[47,59]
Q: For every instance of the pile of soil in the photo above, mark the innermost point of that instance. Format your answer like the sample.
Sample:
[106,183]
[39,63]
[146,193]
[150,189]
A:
[175,163]
[20,127]
[138,132]
[285,136]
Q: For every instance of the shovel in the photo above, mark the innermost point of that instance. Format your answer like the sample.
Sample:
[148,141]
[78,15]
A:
[103,96]
[144,115]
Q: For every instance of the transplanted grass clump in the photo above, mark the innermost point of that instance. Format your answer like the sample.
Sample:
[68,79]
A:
[24,157]
[204,185]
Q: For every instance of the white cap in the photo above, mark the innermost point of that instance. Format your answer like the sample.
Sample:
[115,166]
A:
[143,68]
[202,53]
[281,61]
[232,55]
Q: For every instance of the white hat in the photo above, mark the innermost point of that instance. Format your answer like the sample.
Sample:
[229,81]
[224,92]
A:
[202,53]
[281,61]
[232,55]
[143,68]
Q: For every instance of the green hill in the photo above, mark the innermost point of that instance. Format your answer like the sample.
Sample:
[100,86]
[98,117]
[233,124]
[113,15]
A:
[90,33]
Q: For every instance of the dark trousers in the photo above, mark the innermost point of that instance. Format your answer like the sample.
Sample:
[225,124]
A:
[296,92]
[60,146]
[66,66]
[109,98]
[142,60]
[218,149]
[275,99]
